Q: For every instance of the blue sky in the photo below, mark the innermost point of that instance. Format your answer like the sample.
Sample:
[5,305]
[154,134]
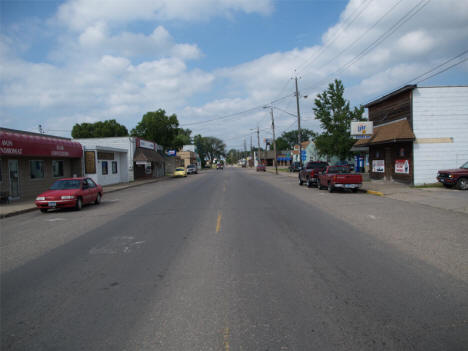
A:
[67,62]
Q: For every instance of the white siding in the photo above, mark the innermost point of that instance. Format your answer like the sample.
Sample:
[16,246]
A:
[439,112]
[127,143]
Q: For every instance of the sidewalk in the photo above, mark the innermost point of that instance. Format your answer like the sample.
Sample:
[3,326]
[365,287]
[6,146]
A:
[438,197]
[27,205]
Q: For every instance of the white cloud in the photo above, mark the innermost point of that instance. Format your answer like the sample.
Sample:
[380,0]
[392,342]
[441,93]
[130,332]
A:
[80,14]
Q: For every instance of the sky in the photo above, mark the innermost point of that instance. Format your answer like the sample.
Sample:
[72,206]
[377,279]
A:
[217,63]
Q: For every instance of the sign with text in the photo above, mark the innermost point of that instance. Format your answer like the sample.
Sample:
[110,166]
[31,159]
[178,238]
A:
[402,166]
[146,144]
[171,153]
[362,128]
[378,166]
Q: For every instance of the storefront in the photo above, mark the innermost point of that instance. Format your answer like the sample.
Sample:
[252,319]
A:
[144,158]
[106,165]
[31,162]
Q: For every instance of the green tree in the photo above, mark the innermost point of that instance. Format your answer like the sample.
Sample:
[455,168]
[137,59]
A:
[101,129]
[156,126]
[335,117]
[287,140]
[209,148]
[183,137]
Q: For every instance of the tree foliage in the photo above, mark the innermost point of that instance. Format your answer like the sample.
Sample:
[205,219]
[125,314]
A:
[101,129]
[287,140]
[209,148]
[335,117]
[158,127]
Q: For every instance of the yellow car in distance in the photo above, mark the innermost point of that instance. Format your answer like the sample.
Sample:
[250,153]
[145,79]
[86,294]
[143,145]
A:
[180,172]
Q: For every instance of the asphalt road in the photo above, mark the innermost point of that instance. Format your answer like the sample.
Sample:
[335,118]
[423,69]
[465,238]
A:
[228,260]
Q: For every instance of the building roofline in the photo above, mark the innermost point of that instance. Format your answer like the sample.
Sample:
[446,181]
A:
[406,88]
[32,133]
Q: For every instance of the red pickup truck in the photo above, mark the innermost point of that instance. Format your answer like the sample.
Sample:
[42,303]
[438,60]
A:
[310,173]
[452,177]
[338,177]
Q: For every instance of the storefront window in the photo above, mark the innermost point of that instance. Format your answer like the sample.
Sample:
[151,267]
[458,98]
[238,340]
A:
[402,152]
[57,168]
[104,168]
[114,167]
[37,169]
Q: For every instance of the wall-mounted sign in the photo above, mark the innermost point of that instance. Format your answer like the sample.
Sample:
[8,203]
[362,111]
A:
[171,152]
[362,130]
[378,166]
[90,162]
[402,166]
[147,144]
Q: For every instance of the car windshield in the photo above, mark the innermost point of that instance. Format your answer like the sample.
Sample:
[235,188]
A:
[66,184]
[465,165]
[338,170]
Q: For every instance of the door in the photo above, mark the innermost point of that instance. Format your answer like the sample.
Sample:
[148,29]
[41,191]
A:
[388,164]
[13,170]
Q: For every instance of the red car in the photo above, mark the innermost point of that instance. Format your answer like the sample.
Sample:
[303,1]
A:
[70,192]
[261,168]
[338,177]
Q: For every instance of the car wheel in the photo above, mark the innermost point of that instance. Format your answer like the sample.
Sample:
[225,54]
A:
[300,181]
[462,184]
[79,204]
[309,183]
[44,210]
[319,186]
[98,199]
[330,188]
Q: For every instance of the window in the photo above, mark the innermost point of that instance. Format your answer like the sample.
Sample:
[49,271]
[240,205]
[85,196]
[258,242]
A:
[37,169]
[57,168]
[114,167]
[105,170]
[91,183]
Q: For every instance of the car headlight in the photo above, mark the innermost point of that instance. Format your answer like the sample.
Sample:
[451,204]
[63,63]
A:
[68,197]
[40,198]
[450,176]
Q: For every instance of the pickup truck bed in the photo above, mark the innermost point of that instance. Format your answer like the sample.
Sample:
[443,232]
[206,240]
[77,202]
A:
[337,177]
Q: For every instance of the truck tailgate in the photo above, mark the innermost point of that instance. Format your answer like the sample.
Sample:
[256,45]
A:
[348,179]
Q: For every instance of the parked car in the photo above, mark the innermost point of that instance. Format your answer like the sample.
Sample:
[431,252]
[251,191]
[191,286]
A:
[338,177]
[346,164]
[192,169]
[295,167]
[452,177]
[261,168]
[220,166]
[180,172]
[71,193]
[309,174]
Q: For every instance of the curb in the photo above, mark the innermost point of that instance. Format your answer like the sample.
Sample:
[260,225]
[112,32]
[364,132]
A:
[30,209]
[373,192]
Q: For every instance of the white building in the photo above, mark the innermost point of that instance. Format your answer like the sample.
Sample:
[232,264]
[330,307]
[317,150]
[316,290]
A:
[417,131]
[132,157]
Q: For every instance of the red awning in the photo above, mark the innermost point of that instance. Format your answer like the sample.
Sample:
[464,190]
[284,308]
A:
[19,144]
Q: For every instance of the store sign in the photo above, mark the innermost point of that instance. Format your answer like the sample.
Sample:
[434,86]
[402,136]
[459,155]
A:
[171,152]
[90,162]
[362,130]
[146,144]
[402,166]
[378,166]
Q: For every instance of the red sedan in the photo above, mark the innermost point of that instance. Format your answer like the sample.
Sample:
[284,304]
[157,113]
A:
[70,192]
[261,168]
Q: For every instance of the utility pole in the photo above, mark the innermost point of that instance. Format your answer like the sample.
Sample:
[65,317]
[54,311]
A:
[245,151]
[258,140]
[251,151]
[274,140]
[298,123]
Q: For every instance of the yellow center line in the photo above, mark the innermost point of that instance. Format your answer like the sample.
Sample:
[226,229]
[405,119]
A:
[218,223]
[226,339]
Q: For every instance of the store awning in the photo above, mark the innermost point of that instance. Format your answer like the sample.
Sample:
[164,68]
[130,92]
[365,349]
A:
[147,155]
[30,144]
[392,132]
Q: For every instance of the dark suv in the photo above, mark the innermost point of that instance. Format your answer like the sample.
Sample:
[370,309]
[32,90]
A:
[295,167]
